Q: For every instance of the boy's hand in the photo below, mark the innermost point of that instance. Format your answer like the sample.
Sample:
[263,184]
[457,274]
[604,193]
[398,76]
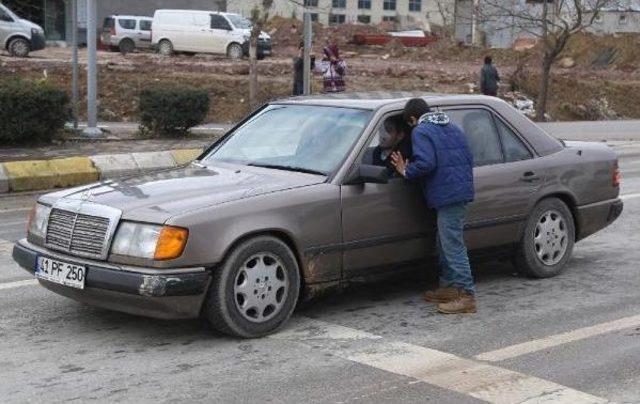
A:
[398,162]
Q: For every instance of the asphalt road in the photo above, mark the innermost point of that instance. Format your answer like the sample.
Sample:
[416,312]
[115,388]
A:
[574,338]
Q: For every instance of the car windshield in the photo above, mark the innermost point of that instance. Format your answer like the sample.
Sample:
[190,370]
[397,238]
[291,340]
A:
[239,21]
[301,138]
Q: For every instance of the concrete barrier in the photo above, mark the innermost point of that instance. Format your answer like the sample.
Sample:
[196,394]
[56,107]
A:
[4,180]
[114,165]
[153,160]
[185,156]
[33,175]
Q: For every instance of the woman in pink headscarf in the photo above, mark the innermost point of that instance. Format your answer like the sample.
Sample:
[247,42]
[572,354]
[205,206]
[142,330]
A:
[333,70]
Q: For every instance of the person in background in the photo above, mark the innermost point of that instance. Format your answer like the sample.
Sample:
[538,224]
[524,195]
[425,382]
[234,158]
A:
[298,70]
[443,163]
[392,137]
[489,78]
[333,70]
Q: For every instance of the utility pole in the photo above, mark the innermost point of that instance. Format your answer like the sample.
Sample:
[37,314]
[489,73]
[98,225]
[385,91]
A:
[74,66]
[92,71]
[307,33]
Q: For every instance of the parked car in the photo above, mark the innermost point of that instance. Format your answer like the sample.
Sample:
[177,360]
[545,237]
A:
[127,33]
[204,32]
[19,36]
[288,204]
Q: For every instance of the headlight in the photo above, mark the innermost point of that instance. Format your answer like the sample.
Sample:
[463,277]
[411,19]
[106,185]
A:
[38,220]
[36,31]
[149,241]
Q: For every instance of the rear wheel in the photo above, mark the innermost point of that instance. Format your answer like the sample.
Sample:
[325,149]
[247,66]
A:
[256,289]
[165,47]
[234,51]
[19,47]
[548,240]
[126,46]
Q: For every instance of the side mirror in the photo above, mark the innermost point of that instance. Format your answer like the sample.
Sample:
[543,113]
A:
[368,174]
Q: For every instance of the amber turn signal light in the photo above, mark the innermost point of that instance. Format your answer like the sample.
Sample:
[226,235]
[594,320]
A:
[617,177]
[171,243]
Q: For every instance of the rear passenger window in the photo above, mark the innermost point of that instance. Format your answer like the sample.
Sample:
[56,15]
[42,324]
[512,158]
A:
[482,134]
[127,23]
[145,25]
[514,149]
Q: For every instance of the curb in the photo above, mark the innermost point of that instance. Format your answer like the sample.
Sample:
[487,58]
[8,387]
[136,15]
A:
[34,175]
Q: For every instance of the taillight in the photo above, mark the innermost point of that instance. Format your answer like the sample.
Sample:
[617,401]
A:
[112,30]
[616,179]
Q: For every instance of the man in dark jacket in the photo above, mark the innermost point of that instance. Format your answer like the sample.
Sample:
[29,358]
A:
[443,164]
[489,78]
[393,136]
[298,70]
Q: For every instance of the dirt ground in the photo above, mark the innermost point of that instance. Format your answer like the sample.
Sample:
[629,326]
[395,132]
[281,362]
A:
[602,83]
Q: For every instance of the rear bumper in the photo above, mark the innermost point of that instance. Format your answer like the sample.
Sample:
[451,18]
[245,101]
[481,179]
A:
[172,294]
[38,42]
[596,216]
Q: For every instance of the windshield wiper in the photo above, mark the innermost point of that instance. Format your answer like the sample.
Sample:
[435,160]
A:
[288,168]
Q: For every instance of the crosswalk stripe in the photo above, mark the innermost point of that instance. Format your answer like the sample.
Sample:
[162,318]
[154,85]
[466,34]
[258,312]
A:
[18,284]
[551,341]
[476,379]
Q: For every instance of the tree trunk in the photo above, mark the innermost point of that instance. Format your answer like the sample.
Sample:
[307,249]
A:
[254,102]
[541,107]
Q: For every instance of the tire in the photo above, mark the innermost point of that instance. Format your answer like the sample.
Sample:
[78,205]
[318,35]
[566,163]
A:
[19,47]
[165,47]
[126,46]
[547,241]
[234,51]
[256,289]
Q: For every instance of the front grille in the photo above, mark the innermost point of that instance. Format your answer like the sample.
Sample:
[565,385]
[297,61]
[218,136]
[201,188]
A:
[77,233]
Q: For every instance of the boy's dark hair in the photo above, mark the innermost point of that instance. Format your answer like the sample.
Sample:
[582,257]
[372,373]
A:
[301,45]
[488,60]
[415,107]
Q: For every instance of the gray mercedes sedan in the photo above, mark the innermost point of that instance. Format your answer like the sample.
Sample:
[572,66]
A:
[291,202]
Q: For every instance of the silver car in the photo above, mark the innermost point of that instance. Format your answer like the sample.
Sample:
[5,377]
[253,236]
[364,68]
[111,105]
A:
[290,203]
[19,36]
[126,33]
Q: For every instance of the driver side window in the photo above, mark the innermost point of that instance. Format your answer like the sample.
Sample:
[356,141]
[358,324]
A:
[219,22]
[4,16]
[391,134]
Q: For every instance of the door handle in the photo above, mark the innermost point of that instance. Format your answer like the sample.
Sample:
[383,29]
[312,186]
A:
[529,176]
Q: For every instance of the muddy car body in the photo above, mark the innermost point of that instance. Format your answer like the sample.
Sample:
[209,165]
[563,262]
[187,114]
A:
[239,236]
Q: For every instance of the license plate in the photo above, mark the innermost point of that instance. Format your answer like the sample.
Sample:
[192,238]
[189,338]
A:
[61,272]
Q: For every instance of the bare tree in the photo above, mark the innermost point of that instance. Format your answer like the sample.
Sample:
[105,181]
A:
[259,17]
[553,22]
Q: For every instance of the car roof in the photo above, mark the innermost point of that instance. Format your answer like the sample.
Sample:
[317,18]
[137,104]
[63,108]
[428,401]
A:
[377,99]
[131,16]
[172,10]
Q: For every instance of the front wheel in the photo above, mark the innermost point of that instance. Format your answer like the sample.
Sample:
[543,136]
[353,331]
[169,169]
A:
[234,51]
[548,240]
[19,47]
[256,289]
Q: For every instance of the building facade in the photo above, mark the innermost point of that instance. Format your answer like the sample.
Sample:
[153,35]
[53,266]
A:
[617,20]
[407,14]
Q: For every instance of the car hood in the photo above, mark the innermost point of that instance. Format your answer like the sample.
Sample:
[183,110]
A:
[158,196]
[30,25]
[263,35]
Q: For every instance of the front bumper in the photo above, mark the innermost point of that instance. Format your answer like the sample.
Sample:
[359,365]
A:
[159,293]
[263,49]
[38,42]
[596,216]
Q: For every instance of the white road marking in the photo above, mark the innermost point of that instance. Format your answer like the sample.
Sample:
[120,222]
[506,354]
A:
[14,223]
[15,210]
[559,339]
[476,379]
[18,284]
[630,196]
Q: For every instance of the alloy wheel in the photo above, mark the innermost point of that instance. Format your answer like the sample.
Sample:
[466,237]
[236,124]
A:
[261,287]
[550,237]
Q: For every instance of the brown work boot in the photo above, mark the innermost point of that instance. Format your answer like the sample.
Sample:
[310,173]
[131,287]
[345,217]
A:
[442,295]
[464,303]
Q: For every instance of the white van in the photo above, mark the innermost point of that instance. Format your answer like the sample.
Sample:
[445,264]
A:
[204,31]
[19,36]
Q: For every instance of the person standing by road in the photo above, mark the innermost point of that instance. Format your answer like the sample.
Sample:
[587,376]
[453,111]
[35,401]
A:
[333,70]
[489,78]
[443,163]
[298,70]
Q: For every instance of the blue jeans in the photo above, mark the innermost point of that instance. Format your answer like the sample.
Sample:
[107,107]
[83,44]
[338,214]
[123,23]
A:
[454,261]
